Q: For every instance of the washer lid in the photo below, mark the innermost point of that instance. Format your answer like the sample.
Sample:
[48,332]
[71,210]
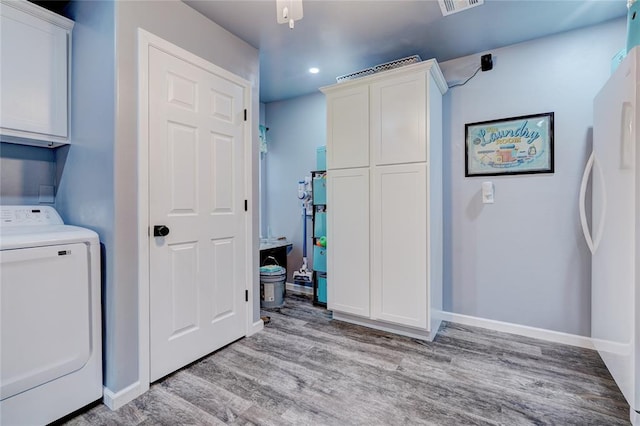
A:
[16,237]
[34,226]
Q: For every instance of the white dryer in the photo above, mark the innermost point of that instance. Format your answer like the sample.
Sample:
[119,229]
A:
[50,321]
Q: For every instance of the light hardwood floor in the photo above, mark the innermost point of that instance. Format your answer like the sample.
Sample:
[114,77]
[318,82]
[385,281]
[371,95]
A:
[306,369]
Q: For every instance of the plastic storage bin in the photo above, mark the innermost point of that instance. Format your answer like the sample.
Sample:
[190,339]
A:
[322,289]
[320,225]
[321,158]
[320,190]
[319,259]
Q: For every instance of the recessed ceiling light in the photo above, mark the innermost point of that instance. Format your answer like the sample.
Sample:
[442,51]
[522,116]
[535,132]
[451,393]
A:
[314,70]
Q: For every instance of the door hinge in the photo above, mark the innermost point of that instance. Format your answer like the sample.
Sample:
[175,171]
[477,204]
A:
[246,206]
[246,295]
[245,114]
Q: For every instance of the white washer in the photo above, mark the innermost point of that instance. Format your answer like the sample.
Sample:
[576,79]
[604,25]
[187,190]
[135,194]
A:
[50,321]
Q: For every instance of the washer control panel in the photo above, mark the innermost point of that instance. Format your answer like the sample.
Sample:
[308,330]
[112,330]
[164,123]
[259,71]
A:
[29,216]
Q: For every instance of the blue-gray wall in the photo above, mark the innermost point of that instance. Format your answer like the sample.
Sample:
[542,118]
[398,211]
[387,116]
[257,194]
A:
[85,168]
[523,259]
[296,128]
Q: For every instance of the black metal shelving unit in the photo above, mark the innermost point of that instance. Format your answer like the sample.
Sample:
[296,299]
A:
[320,271]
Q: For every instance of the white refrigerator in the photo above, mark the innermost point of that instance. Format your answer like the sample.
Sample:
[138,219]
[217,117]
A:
[614,232]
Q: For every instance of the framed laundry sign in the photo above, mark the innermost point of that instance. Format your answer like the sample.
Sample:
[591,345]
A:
[510,146]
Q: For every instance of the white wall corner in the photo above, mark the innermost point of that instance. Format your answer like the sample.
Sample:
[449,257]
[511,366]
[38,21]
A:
[521,330]
[115,400]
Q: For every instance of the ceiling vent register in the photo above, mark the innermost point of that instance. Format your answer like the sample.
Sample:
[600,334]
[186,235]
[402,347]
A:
[379,68]
[449,7]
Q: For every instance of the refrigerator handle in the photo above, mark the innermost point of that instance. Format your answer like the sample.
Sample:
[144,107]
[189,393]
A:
[583,214]
[603,184]
[592,243]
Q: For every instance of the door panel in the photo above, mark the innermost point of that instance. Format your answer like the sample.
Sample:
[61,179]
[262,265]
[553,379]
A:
[398,124]
[224,298]
[399,232]
[348,128]
[196,188]
[222,173]
[183,165]
[184,267]
[348,236]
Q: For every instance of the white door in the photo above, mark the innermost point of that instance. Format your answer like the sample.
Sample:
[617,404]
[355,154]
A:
[196,190]
[399,245]
[348,236]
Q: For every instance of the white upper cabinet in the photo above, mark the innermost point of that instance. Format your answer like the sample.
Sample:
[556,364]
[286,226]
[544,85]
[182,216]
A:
[348,128]
[398,119]
[34,82]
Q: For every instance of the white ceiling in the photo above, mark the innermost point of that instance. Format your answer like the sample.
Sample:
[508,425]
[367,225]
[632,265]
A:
[343,36]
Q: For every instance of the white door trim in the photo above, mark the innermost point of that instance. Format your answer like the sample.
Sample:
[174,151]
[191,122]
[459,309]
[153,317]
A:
[146,40]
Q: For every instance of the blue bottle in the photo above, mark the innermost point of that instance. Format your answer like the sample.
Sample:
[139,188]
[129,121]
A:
[633,24]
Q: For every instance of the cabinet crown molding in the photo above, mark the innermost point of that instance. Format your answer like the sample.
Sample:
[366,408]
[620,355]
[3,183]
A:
[39,12]
[430,65]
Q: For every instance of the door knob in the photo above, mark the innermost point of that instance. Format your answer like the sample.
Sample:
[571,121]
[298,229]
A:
[160,231]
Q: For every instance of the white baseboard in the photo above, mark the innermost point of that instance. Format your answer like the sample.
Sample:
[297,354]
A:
[414,333]
[115,400]
[634,417]
[522,330]
[299,289]
[255,328]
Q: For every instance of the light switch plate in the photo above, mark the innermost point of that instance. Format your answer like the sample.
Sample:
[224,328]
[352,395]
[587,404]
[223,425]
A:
[487,193]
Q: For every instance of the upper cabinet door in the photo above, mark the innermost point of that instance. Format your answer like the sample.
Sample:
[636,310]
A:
[398,119]
[34,79]
[348,128]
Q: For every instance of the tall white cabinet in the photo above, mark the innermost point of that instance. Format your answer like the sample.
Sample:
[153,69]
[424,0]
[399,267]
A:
[35,47]
[384,161]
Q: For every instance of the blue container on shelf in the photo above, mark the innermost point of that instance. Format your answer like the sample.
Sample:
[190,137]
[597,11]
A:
[320,225]
[319,259]
[633,24]
[322,289]
[319,190]
[321,158]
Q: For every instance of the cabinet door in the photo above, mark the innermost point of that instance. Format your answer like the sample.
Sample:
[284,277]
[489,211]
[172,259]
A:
[399,245]
[33,53]
[348,128]
[348,241]
[398,120]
